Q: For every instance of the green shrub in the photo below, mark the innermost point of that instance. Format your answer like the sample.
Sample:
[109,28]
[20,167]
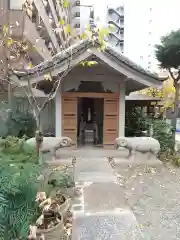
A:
[162,131]
[13,149]
[18,190]
[61,179]
[20,124]
[135,123]
[11,145]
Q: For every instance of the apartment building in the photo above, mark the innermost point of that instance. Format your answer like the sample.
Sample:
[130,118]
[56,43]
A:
[115,18]
[39,26]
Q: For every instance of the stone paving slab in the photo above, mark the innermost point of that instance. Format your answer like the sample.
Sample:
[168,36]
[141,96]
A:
[103,197]
[120,225]
[93,169]
[101,215]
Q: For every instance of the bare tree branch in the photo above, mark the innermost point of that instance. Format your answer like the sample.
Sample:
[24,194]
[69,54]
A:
[176,79]
[171,74]
[58,82]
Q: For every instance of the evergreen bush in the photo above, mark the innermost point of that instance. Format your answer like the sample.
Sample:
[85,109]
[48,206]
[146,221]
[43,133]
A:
[20,124]
[18,191]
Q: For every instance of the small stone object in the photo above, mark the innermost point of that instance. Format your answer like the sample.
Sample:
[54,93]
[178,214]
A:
[138,144]
[51,144]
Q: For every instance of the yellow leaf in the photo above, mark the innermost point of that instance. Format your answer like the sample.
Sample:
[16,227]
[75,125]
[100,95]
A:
[84,36]
[91,63]
[103,47]
[67,29]
[5,30]
[88,28]
[82,63]
[66,4]
[30,65]
[104,31]
[61,22]
[111,27]
[47,77]
[9,42]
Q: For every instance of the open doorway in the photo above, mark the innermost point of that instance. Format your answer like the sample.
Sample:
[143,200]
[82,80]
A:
[90,121]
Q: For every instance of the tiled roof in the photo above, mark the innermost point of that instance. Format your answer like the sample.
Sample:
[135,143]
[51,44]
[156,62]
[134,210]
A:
[122,58]
[76,50]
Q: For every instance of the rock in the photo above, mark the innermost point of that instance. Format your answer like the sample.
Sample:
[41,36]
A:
[51,144]
[138,144]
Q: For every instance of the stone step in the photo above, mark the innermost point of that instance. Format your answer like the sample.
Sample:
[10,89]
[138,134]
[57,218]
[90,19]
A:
[91,152]
[107,196]
[124,162]
[57,162]
[93,170]
[106,226]
[143,166]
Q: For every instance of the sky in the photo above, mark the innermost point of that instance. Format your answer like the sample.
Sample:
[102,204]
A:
[142,26]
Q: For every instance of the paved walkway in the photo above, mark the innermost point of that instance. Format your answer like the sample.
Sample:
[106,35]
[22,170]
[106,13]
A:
[101,212]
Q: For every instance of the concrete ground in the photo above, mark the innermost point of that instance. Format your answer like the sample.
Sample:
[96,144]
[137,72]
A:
[101,211]
[154,198]
[127,201]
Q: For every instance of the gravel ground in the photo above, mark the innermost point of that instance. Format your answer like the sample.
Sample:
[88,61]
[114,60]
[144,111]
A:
[154,197]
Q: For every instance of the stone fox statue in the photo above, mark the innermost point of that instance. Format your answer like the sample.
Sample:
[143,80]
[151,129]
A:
[51,144]
[138,144]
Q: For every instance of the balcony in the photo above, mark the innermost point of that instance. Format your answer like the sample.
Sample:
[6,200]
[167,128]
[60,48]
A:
[22,25]
[48,23]
[116,14]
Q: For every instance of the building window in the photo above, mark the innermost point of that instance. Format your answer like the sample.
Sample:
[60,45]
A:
[77,3]
[77,14]
[121,22]
[77,25]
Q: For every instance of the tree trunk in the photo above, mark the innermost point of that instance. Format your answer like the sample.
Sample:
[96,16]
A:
[38,135]
[176,111]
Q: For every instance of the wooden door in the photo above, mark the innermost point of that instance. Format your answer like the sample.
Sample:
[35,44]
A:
[111,121]
[69,118]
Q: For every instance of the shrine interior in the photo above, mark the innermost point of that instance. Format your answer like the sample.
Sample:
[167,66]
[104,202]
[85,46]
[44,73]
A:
[90,121]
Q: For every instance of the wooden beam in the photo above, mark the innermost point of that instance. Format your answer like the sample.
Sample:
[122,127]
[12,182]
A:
[90,95]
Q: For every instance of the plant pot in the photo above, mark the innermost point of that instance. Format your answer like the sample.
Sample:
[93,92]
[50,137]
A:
[54,233]
[63,207]
[70,192]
